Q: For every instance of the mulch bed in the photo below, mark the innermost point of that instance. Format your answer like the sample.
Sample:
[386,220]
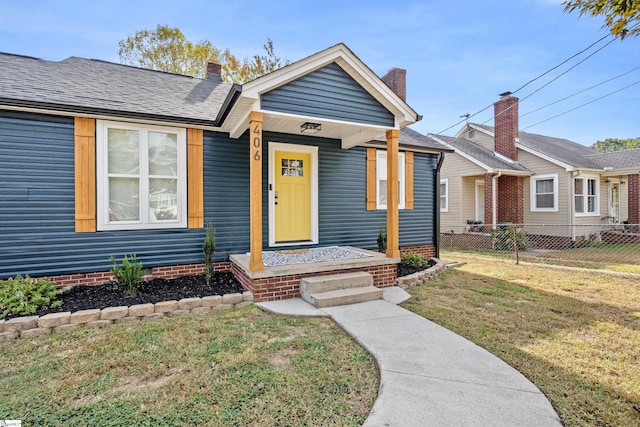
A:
[153,291]
[405,270]
[158,290]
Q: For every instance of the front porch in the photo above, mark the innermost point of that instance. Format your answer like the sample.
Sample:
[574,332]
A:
[283,281]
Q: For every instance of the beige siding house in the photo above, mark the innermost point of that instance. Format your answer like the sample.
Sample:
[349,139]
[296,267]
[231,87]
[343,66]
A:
[555,186]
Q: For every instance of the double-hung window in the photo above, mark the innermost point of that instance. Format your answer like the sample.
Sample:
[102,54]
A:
[544,193]
[586,196]
[444,195]
[141,176]
[381,180]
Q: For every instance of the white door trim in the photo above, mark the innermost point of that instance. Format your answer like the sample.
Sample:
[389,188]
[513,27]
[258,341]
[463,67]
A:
[294,148]
[479,183]
[612,182]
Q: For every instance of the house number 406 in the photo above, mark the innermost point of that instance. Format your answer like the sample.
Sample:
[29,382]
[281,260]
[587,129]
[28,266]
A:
[257,142]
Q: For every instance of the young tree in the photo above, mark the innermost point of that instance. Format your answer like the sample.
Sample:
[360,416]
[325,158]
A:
[614,144]
[167,49]
[622,17]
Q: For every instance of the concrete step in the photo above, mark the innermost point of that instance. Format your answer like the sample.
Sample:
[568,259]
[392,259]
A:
[346,296]
[316,284]
[339,289]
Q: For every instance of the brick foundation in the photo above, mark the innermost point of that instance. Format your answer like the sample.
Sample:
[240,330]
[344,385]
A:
[285,287]
[165,272]
[427,251]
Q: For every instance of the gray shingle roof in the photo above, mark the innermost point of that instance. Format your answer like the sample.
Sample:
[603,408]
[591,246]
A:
[617,159]
[564,150]
[95,86]
[483,155]
[412,138]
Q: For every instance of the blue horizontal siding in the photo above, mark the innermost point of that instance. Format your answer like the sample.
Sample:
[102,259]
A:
[37,226]
[342,215]
[328,93]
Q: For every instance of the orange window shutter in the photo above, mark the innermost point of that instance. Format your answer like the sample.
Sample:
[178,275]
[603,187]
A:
[371,179]
[85,174]
[408,159]
[195,178]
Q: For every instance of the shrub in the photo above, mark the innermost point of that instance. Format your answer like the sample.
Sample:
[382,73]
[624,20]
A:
[504,237]
[382,240]
[209,248]
[413,260]
[24,295]
[129,275]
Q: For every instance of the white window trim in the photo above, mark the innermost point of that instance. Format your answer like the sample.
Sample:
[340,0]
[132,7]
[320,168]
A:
[444,181]
[532,187]
[381,156]
[293,148]
[585,179]
[102,190]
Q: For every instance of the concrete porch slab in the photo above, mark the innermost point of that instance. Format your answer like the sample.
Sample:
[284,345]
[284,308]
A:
[372,260]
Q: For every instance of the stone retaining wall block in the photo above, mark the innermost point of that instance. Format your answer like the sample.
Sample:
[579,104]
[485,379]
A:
[52,320]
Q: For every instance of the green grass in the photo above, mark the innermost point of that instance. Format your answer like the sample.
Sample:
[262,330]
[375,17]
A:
[240,367]
[575,334]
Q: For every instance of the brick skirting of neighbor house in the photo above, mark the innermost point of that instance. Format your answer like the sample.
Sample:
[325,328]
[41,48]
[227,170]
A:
[427,251]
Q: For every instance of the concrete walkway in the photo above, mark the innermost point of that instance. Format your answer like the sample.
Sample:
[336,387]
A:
[430,376]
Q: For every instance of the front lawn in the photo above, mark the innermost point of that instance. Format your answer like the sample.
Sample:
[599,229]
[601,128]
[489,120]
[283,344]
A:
[239,367]
[575,334]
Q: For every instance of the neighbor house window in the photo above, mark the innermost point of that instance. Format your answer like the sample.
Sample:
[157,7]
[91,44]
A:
[444,195]
[141,176]
[544,193]
[586,195]
[381,179]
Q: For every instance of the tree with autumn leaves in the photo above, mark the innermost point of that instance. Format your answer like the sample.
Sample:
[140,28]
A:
[622,17]
[167,49]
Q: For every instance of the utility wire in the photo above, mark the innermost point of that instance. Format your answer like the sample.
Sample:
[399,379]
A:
[562,63]
[531,81]
[551,81]
[579,92]
[580,106]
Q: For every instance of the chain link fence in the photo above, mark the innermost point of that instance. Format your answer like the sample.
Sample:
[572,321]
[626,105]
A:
[609,246]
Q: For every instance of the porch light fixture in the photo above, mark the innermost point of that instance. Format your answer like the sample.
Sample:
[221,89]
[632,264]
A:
[310,128]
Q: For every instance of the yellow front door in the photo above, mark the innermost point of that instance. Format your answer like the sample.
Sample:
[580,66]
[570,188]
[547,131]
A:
[292,196]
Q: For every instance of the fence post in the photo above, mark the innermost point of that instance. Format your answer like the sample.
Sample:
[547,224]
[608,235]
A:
[515,245]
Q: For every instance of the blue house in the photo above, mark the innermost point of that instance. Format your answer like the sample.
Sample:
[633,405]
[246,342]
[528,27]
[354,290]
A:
[101,159]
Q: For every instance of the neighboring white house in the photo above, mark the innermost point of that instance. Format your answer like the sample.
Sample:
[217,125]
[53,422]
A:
[498,174]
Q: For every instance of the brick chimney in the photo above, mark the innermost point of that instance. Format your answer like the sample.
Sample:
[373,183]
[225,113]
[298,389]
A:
[505,113]
[214,70]
[396,79]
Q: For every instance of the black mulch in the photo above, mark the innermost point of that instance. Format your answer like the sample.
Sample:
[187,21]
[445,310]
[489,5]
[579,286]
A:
[155,290]
[405,270]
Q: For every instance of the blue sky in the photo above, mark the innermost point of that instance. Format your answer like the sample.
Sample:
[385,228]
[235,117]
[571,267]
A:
[459,55]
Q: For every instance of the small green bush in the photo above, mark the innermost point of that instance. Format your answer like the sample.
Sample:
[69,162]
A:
[413,260]
[382,240]
[24,295]
[129,275]
[209,248]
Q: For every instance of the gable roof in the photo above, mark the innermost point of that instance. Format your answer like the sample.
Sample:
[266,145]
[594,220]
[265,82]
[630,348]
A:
[564,152]
[618,160]
[350,133]
[414,140]
[101,88]
[481,156]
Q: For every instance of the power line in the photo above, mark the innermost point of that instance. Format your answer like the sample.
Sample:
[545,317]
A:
[553,80]
[562,63]
[531,81]
[579,92]
[580,106]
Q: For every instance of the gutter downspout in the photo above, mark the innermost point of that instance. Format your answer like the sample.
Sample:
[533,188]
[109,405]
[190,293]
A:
[494,199]
[436,225]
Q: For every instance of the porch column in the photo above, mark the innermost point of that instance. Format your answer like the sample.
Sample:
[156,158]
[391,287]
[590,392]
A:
[255,186]
[393,222]
[633,182]
[488,200]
